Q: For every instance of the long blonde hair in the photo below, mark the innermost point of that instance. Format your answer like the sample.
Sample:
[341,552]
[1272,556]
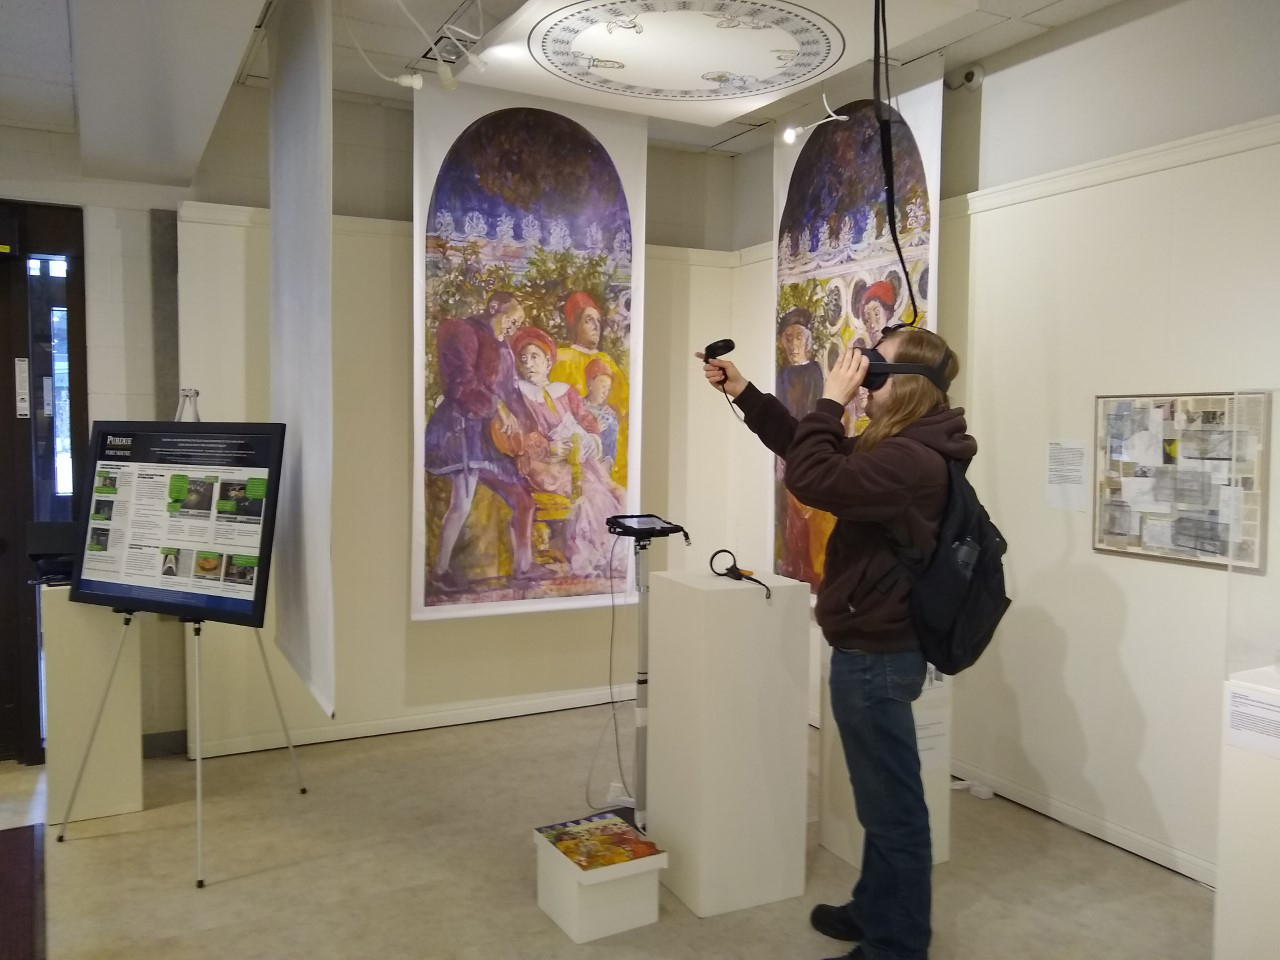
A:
[913,396]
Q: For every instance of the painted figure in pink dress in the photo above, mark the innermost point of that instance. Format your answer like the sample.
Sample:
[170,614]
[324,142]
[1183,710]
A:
[563,422]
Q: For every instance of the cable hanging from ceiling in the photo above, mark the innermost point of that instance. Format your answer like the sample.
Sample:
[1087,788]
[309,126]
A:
[444,71]
[880,68]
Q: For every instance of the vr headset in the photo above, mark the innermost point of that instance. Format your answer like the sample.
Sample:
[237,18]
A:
[879,370]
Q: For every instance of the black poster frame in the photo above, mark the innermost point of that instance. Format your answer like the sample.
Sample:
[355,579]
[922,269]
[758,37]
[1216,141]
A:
[274,432]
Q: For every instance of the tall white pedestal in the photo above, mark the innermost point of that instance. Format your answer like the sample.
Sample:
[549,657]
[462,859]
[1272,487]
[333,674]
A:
[840,831]
[79,644]
[1247,910]
[728,738]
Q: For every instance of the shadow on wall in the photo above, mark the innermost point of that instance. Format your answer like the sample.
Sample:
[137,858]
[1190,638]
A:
[1073,722]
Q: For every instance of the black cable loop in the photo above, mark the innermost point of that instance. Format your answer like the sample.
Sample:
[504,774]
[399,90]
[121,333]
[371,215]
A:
[733,573]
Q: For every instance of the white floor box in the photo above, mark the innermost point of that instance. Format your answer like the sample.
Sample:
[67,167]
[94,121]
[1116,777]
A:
[590,904]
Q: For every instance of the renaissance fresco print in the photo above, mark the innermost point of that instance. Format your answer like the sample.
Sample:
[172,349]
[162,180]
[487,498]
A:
[840,283]
[527,385]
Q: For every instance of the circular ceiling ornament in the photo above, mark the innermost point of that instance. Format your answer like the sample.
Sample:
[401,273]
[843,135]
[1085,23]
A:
[686,49]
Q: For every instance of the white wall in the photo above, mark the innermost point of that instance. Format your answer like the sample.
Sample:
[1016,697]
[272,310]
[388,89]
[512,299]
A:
[1138,74]
[690,200]
[394,674]
[118,336]
[372,157]
[1100,702]
[753,214]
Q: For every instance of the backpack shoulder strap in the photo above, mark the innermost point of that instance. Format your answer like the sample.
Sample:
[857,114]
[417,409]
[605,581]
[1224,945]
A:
[910,561]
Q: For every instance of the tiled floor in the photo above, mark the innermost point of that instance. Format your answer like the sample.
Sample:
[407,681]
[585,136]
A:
[417,846]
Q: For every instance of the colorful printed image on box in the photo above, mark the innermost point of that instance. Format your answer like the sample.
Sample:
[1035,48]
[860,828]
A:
[599,841]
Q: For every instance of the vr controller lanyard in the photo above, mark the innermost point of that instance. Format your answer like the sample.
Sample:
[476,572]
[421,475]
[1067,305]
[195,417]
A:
[734,573]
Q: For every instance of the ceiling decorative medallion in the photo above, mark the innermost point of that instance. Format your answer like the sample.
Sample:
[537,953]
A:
[686,49]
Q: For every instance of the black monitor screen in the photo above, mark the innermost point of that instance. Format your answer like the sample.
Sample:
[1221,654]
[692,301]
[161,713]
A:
[179,518]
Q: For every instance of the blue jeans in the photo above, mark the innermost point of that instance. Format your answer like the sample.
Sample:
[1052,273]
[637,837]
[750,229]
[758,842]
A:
[871,695]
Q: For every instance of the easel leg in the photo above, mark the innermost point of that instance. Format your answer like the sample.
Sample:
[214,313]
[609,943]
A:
[293,758]
[199,776]
[102,705]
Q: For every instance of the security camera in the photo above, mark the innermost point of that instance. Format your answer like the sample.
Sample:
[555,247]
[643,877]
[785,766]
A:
[966,78]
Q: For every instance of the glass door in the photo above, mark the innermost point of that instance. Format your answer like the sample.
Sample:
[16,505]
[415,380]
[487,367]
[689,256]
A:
[50,383]
[43,431]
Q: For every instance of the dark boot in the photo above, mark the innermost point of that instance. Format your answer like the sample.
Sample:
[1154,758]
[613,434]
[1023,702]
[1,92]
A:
[834,922]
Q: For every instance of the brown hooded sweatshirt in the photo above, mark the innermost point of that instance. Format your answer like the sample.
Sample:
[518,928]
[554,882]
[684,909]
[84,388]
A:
[895,493]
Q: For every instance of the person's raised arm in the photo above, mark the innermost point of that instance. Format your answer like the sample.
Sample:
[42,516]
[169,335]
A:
[820,472]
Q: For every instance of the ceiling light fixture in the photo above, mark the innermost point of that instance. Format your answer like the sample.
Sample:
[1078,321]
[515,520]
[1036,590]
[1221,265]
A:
[445,73]
[447,80]
[791,134]
[472,60]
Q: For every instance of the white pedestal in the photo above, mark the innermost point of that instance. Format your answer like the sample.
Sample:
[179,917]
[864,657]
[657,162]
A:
[590,904]
[840,831]
[1247,921]
[728,729]
[79,644]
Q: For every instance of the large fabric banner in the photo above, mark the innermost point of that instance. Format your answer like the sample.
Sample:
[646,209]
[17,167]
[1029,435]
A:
[840,279]
[528,353]
[301,33]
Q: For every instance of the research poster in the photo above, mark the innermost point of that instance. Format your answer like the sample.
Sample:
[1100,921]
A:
[180,521]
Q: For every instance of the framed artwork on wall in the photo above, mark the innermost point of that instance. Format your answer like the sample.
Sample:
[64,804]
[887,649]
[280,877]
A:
[1183,477]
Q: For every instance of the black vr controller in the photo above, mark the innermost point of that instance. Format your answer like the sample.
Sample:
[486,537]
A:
[718,349]
[715,351]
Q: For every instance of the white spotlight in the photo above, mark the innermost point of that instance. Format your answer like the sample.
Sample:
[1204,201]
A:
[410,80]
[789,135]
[447,79]
[474,61]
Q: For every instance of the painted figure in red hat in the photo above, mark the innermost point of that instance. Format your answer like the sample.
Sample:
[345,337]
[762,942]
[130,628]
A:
[874,306]
[585,323]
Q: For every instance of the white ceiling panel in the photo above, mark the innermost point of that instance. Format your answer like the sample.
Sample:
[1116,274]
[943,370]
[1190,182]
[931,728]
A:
[1065,11]
[989,41]
[35,65]
[965,26]
[35,40]
[731,138]
[1013,8]
[151,77]
[38,105]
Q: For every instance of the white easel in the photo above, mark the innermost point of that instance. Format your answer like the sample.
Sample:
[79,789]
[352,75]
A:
[192,396]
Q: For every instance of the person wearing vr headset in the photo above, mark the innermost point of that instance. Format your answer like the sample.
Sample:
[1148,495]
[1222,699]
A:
[887,489]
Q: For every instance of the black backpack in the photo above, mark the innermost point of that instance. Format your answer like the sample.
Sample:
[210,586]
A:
[958,598]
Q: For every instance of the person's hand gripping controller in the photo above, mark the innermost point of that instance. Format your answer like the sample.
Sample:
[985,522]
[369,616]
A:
[720,373]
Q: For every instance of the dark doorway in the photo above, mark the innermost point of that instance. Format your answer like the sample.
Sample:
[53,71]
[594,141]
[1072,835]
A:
[43,431]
